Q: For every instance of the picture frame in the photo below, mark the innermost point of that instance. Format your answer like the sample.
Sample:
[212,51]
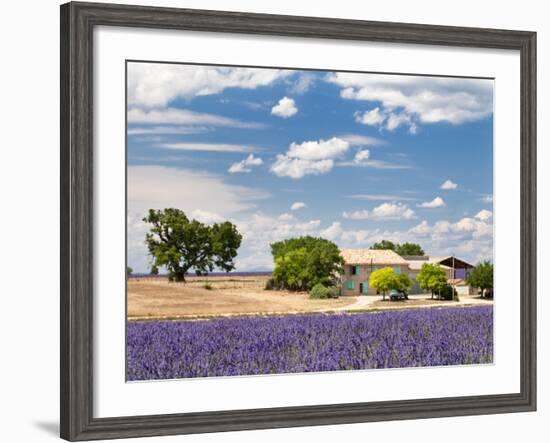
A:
[78,21]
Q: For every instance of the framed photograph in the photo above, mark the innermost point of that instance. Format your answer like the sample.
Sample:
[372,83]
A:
[274,221]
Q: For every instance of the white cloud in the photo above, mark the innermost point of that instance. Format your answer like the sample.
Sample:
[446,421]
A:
[297,168]
[419,98]
[303,84]
[361,156]
[393,211]
[377,197]
[362,140]
[374,117]
[448,184]
[487,198]
[285,217]
[176,116]
[162,130]
[207,217]
[386,211]
[319,150]
[357,215]
[246,164]
[309,158]
[285,108]
[210,147]
[484,215]
[297,205]
[333,231]
[437,202]
[155,85]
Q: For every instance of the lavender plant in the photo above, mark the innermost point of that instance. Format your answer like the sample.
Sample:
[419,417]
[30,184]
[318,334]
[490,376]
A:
[309,343]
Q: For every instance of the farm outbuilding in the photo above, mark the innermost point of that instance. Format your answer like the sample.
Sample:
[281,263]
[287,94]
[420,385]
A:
[457,270]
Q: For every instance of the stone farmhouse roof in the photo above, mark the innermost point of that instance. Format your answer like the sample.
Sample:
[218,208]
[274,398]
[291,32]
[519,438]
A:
[371,256]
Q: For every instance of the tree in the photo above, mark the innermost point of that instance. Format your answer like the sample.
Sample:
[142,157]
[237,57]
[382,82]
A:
[303,262]
[481,276]
[181,244]
[129,271]
[384,244]
[404,282]
[404,249]
[432,277]
[385,279]
[409,249]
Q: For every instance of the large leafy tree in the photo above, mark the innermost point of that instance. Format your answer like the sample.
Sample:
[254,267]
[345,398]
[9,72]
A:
[180,244]
[303,262]
[409,249]
[386,279]
[481,276]
[401,249]
[432,277]
[384,244]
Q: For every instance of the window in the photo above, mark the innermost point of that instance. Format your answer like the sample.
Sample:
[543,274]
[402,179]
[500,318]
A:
[350,284]
[397,269]
[355,270]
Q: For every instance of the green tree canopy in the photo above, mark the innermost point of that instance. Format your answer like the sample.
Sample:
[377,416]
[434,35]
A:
[432,277]
[129,271]
[303,262]
[384,244]
[401,249]
[481,276]
[385,279]
[409,249]
[181,244]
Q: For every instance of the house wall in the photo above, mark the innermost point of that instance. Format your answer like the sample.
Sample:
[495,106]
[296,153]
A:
[363,277]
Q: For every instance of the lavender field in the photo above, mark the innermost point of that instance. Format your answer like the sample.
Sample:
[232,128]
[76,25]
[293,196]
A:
[309,343]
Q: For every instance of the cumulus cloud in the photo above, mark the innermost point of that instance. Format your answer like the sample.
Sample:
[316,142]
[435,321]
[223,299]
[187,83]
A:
[386,211]
[156,85]
[303,83]
[437,202]
[374,117]
[309,158]
[297,205]
[285,108]
[448,184]
[207,217]
[361,156]
[411,99]
[484,215]
[245,165]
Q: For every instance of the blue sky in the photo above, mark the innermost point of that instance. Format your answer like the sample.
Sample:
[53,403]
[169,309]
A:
[353,157]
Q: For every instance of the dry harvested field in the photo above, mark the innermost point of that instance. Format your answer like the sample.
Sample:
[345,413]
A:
[156,298]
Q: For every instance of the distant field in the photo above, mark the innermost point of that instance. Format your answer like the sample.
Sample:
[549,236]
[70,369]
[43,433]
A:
[156,298]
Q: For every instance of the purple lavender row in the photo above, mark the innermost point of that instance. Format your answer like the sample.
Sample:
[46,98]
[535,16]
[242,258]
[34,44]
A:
[309,343]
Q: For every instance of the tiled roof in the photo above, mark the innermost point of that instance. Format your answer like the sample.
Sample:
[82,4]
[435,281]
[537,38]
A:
[374,256]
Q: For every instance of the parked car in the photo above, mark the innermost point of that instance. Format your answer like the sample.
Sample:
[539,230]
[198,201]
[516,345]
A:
[396,295]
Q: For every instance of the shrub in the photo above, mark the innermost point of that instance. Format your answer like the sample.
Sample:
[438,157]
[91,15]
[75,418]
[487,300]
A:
[448,293]
[270,285]
[207,286]
[320,291]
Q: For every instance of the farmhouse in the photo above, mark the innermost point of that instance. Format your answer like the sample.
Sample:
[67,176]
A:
[360,263]
[457,270]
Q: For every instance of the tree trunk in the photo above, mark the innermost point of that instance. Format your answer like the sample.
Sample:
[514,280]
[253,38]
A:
[178,275]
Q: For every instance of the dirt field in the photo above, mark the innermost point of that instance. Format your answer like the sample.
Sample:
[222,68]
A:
[159,299]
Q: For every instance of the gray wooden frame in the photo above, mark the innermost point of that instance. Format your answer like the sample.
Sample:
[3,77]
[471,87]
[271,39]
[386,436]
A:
[77,23]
